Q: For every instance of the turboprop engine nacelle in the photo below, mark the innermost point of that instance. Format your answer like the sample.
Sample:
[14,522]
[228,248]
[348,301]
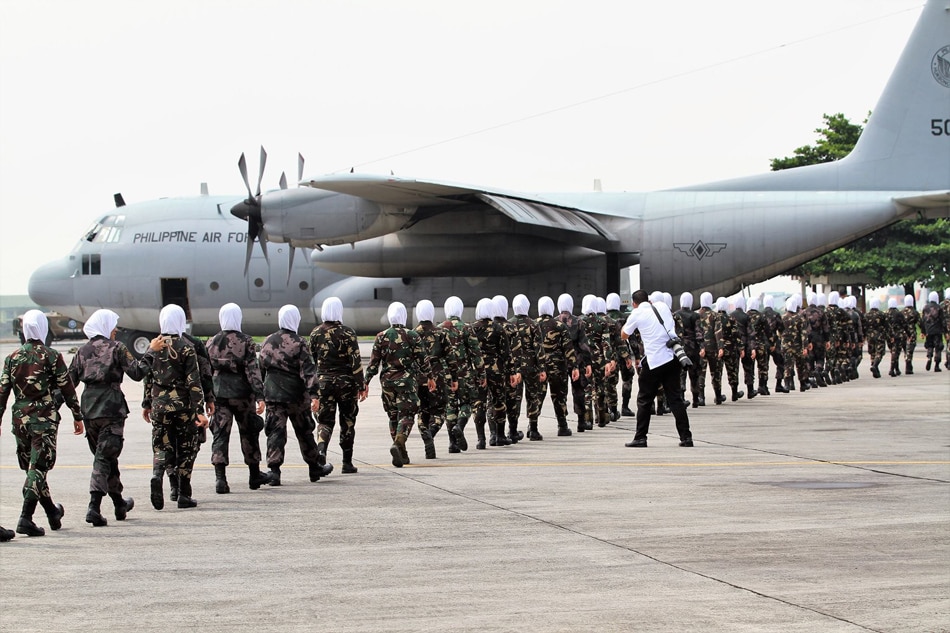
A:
[313,217]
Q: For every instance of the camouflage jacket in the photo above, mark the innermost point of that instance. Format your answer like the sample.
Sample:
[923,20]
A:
[689,327]
[912,319]
[857,325]
[399,358]
[817,324]
[932,320]
[760,334]
[443,357]
[875,326]
[578,337]
[516,358]
[708,319]
[621,346]
[727,333]
[839,325]
[287,366]
[795,333]
[462,338]
[233,359]
[742,330]
[528,334]
[945,310]
[101,365]
[776,325]
[896,325]
[557,344]
[493,341]
[32,374]
[598,340]
[174,382]
[336,351]
[618,347]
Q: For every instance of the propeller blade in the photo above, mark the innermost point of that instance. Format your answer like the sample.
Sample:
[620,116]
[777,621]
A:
[262,238]
[283,180]
[290,267]
[247,254]
[260,175]
[242,165]
[299,167]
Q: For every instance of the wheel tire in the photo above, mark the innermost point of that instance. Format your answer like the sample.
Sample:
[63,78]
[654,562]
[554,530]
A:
[136,340]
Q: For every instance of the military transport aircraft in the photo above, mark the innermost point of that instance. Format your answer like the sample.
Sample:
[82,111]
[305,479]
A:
[714,236]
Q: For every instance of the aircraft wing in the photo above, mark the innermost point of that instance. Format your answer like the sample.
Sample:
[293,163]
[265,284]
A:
[553,220]
[932,204]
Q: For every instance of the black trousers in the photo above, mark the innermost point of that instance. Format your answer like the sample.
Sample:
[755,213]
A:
[650,380]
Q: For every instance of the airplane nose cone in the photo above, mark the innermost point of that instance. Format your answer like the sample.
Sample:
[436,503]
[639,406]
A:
[241,210]
[51,285]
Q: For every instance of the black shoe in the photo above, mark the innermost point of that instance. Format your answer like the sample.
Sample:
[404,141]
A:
[581,427]
[636,444]
[122,510]
[736,395]
[186,502]
[6,535]
[221,486]
[56,518]
[157,496]
[459,436]
[454,449]
[26,526]
[256,480]
[614,415]
[349,468]
[627,413]
[937,368]
[317,471]
[764,391]
[699,401]
[480,444]
[929,363]
[173,491]
[720,399]
[752,392]
[397,456]
[94,517]
[687,443]
[563,431]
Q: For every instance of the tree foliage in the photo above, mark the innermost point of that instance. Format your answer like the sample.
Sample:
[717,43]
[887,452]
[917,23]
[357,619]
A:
[903,253]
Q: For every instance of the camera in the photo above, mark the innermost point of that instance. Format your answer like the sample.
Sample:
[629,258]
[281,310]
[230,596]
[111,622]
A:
[676,345]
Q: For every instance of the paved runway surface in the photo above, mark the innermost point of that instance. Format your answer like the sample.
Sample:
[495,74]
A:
[823,511]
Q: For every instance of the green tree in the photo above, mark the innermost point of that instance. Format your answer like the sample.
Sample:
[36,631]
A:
[903,253]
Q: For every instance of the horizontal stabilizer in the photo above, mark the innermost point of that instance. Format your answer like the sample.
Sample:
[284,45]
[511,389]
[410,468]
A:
[933,204]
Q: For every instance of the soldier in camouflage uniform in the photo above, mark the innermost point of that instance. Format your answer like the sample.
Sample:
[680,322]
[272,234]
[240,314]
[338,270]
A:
[495,348]
[708,350]
[602,364]
[795,344]
[470,376]
[912,320]
[336,354]
[690,330]
[857,334]
[945,309]
[729,347]
[290,393]
[565,306]
[625,376]
[620,356]
[402,364]
[32,374]
[535,371]
[896,336]
[239,395]
[934,324]
[100,365]
[561,362]
[819,337]
[517,362]
[174,403]
[776,326]
[443,360]
[839,340]
[759,337]
[876,328]
[746,344]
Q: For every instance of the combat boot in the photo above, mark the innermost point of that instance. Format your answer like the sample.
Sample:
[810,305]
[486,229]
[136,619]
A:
[316,471]
[256,478]
[348,467]
[6,535]
[779,387]
[274,476]
[625,409]
[480,433]
[397,448]
[454,433]
[322,453]
[173,487]
[929,363]
[184,493]
[54,513]
[908,368]
[603,418]
[937,368]
[699,400]
[533,434]
[492,435]
[614,415]
[719,397]
[750,389]
[892,373]
[428,442]
[221,480]
[736,394]
[460,438]
[513,433]
[820,379]
[562,428]
[501,438]
[764,389]
[94,511]
[875,371]
[790,384]
[25,525]
[434,429]
[403,450]
[122,506]
[157,496]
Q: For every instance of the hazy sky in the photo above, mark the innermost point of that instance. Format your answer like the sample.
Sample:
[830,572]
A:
[151,99]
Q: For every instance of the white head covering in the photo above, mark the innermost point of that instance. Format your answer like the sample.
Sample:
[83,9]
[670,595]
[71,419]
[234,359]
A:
[520,305]
[425,311]
[722,304]
[875,304]
[453,307]
[686,301]
[833,298]
[768,302]
[613,301]
[740,303]
[934,296]
[229,316]
[812,298]
[501,306]
[668,300]
[171,320]
[946,293]
[485,309]
[565,303]
[331,310]
[546,306]
[753,303]
[791,305]
[288,317]
[892,303]
[35,326]
[101,323]
[909,301]
[587,304]
[396,313]
[798,301]
[601,306]
[706,300]
[655,296]
[822,299]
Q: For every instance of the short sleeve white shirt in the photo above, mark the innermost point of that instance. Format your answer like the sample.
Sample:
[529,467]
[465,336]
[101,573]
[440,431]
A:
[653,334]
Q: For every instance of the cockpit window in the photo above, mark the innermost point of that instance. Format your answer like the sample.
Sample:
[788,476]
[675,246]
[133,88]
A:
[108,229]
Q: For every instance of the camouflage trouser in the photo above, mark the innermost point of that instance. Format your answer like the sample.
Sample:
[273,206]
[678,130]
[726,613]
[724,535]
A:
[226,412]
[844,357]
[896,346]
[762,365]
[795,360]
[714,363]
[534,394]
[598,391]
[876,349]
[579,395]
[338,393]
[275,426]
[175,442]
[748,367]
[701,366]
[492,394]
[432,404]
[513,398]
[910,346]
[105,437]
[557,384]
[779,359]
[730,360]
[36,454]
[458,407]
[816,357]
[931,343]
[401,403]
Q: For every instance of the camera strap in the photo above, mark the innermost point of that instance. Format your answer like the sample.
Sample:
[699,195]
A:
[660,319]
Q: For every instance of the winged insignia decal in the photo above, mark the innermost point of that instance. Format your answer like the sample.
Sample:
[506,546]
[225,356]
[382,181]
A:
[699,249]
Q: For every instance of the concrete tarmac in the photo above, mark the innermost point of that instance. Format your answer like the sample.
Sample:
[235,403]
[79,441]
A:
[820,511]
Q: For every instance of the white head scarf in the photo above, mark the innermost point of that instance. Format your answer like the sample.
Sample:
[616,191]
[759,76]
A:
[909,301]
[171,320]
[934,296]
[587,304]
[655,296]
[565,303]
[501,306]
[740,303]
[722,304]
[546,306]
[875,304]
[453,307]
[753,304]
[768,302]
[833,298]
[822,299]
[425,311]
[101,323]
[520,305]
[668,300]
[892,303]
[396,313]
[288,318]
[613,301]
[686,301]
[798,301]
[229,316]
[484,309]
[791,305]
[35,326]
[706,300]
[601,305]
[812,298]
[331,310]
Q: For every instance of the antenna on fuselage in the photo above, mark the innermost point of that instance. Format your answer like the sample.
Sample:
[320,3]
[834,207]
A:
[119,200]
